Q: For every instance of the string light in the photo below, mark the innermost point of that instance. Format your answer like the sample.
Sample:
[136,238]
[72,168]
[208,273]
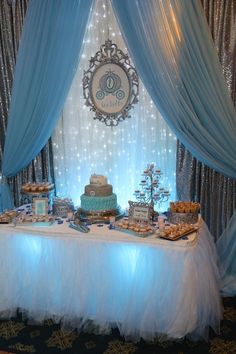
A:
[82,146]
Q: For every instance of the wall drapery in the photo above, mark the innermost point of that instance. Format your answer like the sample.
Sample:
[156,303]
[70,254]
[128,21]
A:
[174,54]
[12,15]
[210,135]
[47,59]
[196,181]
[181,64]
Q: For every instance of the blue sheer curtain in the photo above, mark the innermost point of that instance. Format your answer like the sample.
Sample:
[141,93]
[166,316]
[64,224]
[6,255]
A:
[226,249]
[171,46]
[47,60]
[6,201]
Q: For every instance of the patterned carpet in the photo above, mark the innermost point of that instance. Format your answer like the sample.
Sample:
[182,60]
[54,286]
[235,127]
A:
[16,336]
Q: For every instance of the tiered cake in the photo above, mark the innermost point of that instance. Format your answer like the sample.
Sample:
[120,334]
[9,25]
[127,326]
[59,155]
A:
[98,196]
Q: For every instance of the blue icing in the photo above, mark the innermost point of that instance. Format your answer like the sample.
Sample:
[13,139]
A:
[89,203]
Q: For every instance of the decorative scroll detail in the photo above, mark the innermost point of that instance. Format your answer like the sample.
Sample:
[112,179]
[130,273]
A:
[110,85]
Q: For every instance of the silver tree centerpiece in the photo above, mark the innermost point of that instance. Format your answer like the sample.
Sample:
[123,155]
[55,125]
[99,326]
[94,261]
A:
[151,190]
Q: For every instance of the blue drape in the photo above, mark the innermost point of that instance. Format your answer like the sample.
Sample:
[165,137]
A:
[226,249]
[6,202]
[171,46]
[48,56]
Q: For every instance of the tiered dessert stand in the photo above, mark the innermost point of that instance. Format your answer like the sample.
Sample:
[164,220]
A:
[28,196]
[150,189]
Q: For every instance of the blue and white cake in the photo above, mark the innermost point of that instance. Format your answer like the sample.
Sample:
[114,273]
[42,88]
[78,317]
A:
[98,195]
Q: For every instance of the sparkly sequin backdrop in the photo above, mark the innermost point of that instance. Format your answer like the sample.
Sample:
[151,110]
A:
[196,181]
[82,146]
[12,13]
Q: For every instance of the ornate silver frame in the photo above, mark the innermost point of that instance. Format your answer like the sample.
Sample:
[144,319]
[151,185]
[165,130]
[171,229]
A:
[40,201]
[145,208]
[118,86]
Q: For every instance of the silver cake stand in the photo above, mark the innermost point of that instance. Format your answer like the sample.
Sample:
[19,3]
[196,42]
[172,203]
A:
[98,216]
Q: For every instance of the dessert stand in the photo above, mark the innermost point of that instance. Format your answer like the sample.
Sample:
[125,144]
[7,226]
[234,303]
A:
[93,217]
[27,197]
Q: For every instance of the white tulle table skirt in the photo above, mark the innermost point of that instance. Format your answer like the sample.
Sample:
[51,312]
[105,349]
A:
[145,287]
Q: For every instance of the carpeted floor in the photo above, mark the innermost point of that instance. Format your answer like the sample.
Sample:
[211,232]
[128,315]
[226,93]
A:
[16,336]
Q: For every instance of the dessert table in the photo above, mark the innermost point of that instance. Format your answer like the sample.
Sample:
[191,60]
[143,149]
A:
[146,287]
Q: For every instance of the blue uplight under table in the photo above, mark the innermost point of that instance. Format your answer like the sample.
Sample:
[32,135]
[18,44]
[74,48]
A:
[147,287]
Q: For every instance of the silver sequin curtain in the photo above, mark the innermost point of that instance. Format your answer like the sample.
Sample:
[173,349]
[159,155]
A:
[12,13]
[196,181]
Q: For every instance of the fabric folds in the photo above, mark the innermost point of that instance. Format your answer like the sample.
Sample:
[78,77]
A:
[226,248]
[194,180]
[12,14]
[171,46]
[48,56]
[5,197]
[148,288]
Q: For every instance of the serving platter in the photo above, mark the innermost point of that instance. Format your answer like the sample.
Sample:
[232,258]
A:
[35,223]
[38,193]
[179,236]
[134,233]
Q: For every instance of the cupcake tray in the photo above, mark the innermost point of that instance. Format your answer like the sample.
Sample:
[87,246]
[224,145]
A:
[177,237]
[8,217]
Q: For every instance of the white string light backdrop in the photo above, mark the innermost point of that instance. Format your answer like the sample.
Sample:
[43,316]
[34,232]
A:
[82,146]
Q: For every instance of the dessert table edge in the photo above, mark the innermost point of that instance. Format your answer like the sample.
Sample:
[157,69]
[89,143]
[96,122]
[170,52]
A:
[147,288]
